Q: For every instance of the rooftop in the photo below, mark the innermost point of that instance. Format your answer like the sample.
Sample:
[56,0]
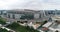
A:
[23,11]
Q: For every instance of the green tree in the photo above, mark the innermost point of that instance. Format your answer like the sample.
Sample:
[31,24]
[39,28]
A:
[44,22]
[27,16]
[3,30]
[19,28]
[2,21]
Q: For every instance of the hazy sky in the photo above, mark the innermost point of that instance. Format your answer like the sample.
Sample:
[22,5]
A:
[30,4]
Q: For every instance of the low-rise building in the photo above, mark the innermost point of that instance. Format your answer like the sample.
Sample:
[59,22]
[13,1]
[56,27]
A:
[25,14]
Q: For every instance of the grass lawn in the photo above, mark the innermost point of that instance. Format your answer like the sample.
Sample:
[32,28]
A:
[19,28]
[3,30]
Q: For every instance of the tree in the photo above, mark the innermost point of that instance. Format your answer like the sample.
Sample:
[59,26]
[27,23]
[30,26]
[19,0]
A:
[56,31]
[3,30]
[19,28]
[22,17]
[2,21]
[44,22]
[27,16]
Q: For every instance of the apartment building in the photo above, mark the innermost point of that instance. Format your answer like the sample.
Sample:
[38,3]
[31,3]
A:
[18,13]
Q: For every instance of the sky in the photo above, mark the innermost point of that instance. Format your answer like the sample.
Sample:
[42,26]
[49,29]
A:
[30,4]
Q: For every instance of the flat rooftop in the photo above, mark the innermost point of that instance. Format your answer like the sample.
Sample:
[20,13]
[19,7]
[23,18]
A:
[56,26]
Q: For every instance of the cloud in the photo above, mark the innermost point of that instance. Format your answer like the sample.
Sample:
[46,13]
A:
[30,4]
